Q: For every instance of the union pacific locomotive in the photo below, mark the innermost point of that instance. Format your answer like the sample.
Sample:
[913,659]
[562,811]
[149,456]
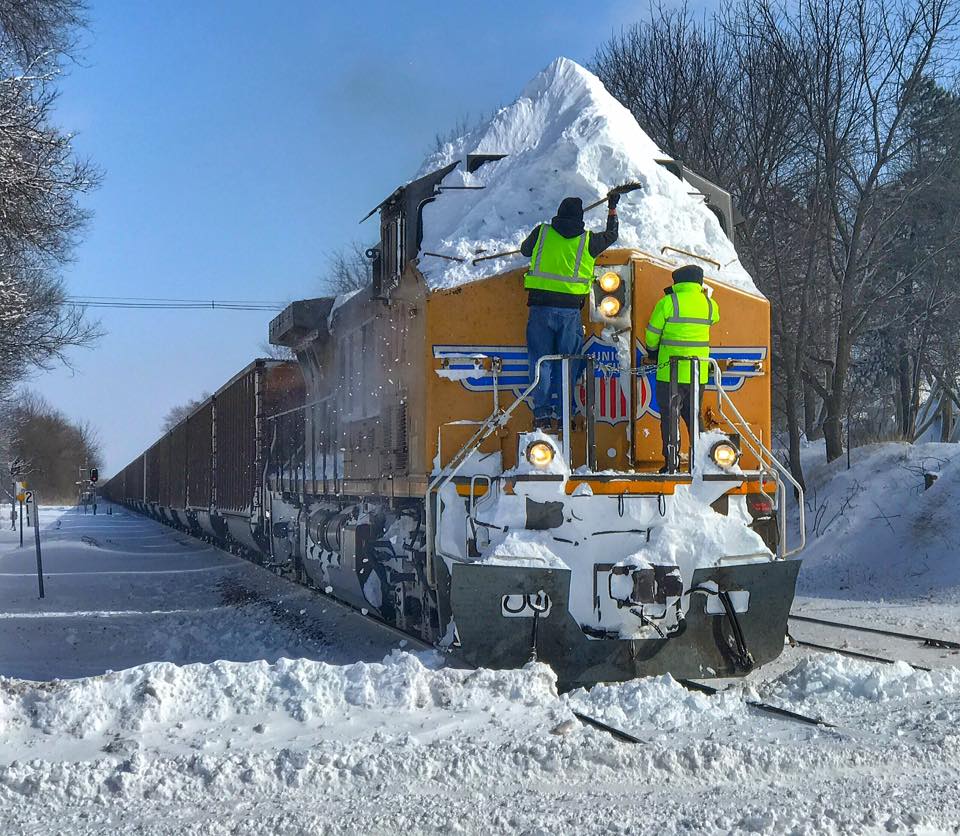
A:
[393,466]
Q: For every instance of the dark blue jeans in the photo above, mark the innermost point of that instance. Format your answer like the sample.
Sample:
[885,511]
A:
[553,331]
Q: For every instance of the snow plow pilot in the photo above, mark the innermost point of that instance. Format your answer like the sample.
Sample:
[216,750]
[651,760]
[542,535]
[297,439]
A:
[680,326]
[562,255]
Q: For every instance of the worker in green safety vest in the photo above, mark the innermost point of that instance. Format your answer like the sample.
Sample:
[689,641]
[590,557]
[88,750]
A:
[680,327]
[562,255]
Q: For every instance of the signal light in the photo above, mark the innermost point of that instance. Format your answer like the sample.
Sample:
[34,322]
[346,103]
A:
[94,474]
[610,306]
[609,281]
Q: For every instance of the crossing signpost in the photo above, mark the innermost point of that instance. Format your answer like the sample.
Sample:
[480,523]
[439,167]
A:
[30,498]
[21,496]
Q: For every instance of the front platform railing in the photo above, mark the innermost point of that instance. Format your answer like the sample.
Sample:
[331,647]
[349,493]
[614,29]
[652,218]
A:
[768,464]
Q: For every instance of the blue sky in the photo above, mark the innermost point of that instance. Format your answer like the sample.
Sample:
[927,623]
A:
[240,143]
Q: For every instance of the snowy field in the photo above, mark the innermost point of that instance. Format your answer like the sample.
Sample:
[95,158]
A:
[321,723]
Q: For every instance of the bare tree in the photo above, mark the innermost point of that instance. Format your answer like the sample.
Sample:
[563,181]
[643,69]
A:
[51,447]
[806,112]
[348,269]
[858,68]
[181,412]
[277,352]
[31,29]
[40,181]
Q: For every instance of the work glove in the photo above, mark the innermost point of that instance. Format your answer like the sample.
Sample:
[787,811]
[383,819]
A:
[651,356]
[612,200]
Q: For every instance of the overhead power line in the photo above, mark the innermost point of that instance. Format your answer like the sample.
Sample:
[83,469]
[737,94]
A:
[161,303]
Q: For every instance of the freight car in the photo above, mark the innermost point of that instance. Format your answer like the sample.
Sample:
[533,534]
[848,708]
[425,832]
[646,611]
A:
[206,474]
[404,477]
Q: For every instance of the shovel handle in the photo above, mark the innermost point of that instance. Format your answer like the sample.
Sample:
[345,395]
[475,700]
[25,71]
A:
[476,261]
[626,187]
[447,257]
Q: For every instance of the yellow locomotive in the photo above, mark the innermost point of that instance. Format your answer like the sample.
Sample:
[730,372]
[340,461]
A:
[410,485]
[404,478]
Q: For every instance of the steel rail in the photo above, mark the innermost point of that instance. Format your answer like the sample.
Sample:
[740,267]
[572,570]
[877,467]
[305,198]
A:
[613,731]
[855,654]
[927,640]
[766,707]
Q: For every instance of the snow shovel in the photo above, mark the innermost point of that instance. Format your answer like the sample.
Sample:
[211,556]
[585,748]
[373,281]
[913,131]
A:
[626,187]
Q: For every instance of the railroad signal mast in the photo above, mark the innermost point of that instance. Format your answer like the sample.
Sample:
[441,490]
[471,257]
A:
[87,487]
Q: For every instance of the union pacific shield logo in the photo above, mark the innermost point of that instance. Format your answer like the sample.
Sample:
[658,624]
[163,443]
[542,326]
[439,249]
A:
[611,389]
[611,385]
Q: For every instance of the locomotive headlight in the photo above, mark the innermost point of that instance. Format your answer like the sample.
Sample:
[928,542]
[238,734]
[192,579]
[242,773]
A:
[540,454]
[724,454]
[609,281]
[609,306]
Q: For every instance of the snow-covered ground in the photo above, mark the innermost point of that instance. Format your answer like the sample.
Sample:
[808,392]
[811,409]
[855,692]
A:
[122,590]
[881,548]
[356,735]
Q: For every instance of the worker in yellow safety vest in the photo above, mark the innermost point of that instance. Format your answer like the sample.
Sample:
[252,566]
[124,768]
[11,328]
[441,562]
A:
[562,255]
[679,326]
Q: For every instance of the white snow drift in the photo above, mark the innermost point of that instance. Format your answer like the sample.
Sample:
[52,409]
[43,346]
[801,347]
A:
[302,746]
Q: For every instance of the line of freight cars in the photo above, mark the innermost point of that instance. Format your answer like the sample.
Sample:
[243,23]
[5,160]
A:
[206,474]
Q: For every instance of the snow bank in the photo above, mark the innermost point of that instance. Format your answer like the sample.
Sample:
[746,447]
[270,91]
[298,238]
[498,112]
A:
[398,747]
[873,531]
[163,694]
[839,679]
[565,135]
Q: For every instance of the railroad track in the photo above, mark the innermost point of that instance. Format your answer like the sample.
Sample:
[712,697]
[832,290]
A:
[765,707]
[613,731]
[855,654]
[924,641]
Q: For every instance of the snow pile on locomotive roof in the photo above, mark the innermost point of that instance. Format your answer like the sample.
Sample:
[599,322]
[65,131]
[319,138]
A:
[565,135]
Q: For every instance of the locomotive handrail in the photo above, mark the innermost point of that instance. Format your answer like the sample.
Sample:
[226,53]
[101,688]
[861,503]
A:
[773,460]
[768,463]
[448,472]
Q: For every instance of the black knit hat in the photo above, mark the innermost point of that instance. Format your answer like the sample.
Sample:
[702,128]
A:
[571,208]
[688,273]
